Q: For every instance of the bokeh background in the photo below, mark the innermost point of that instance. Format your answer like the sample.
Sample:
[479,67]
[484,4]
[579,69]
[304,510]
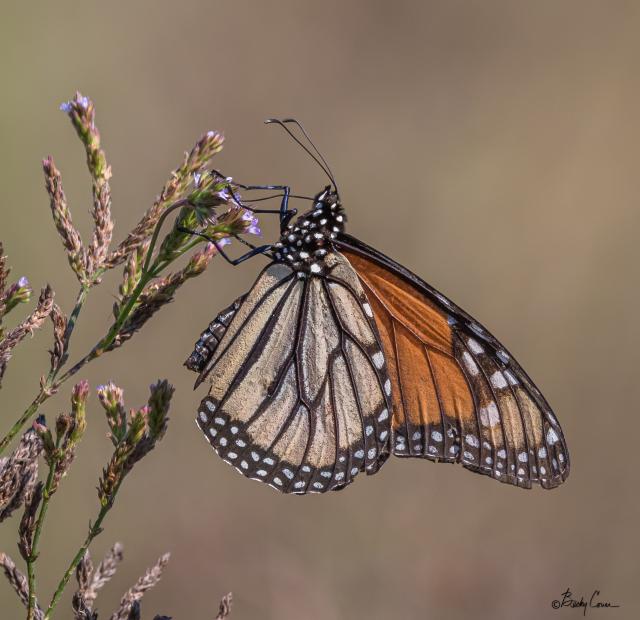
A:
[490,146]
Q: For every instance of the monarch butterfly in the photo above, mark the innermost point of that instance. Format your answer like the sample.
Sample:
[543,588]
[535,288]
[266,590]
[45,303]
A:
[338,357]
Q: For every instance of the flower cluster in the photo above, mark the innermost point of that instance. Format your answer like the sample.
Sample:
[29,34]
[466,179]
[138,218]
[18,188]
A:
[133,435]
[208,214]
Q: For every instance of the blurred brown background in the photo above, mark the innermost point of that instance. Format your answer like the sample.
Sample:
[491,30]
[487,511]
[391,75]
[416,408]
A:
[491,147]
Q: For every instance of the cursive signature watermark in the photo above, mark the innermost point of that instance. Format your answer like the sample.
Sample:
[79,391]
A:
[595,601]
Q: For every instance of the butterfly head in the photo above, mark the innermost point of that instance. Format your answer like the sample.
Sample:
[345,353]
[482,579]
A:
[305,243]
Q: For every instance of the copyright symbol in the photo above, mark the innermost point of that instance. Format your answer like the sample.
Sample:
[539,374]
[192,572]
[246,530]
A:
[555,604]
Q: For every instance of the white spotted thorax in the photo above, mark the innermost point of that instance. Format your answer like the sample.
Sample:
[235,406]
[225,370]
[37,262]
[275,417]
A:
[306,242]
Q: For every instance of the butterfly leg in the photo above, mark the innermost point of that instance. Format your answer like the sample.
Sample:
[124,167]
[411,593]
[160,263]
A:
[262,249]
[285,213]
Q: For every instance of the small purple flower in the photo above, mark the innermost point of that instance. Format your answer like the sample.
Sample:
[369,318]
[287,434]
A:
[196,178]
[83,102]
[254,225]
[224,241]
[23,282]
[66,107]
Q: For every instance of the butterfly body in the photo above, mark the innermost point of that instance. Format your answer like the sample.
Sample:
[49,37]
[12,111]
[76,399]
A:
[305,243]
[338,357]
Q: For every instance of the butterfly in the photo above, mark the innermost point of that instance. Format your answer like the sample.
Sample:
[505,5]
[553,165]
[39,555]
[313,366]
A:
[338,357]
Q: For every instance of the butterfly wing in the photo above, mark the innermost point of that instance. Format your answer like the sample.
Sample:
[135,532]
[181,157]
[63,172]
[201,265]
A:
[299,387]
[458,395]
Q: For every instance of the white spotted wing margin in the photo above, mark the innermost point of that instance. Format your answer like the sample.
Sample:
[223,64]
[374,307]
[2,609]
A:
[299,394]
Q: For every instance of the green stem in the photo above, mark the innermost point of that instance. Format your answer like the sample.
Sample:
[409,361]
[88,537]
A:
[107,341]
[33,556]
[71,323]
[94,530]
[149,271]
[45,389]
[51,384]
[22,420]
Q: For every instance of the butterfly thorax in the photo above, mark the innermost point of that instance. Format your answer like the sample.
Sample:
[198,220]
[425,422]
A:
[305,243]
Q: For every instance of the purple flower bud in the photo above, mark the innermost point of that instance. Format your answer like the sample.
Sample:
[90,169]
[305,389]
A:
[23,282]
[65,107]
[224,241]
[196,178]
[254,229]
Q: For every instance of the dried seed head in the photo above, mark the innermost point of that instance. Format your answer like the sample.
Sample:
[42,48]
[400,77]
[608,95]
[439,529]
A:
[105,571]
[137,591]
[28,523]
[58,351]
[81,111]
[111,398]
[225,606]
[205,148]
[76,253]
[19,473]
[15,578]
[17,293]
[28,326]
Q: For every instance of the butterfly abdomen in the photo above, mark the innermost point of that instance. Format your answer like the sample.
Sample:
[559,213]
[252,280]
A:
[210,337]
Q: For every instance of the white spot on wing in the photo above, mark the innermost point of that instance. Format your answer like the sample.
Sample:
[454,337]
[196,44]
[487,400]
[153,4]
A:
[367,310]
[384,414]
[552,437]
[511,378]
[472,440]
[475,346]
[378,359]
[436,436]
[489,415]
[498,381]
[470,363]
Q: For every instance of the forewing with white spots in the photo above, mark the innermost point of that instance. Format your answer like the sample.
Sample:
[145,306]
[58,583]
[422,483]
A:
[300,394]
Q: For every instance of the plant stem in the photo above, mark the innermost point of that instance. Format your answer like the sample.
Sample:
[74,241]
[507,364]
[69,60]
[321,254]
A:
[94,530]
[45,388]
[51,384]
[71,323]
[22,420]
[104,344]
[33,556]
[149,271]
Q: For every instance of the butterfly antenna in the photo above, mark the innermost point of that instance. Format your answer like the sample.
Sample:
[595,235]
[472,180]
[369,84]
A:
[315,148]
[320,163]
